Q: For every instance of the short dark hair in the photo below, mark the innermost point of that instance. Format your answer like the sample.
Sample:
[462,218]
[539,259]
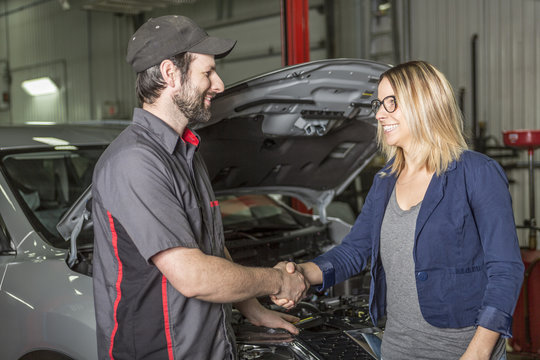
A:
[150,82]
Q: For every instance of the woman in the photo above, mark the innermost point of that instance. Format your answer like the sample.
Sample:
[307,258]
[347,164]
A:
[437,226]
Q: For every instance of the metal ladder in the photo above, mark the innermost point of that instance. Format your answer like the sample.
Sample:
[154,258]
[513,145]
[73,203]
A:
[383,36]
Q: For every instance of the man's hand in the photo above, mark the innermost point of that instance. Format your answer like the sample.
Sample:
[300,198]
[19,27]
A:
[284,300]
[258,315]
[294,285]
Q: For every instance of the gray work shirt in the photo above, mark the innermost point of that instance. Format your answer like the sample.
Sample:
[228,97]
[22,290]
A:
[151,192]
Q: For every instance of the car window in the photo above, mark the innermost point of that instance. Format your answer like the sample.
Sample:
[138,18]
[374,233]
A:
[47,183]
[6,247]
[254,211]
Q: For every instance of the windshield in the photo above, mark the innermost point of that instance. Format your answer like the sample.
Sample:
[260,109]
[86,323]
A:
[254,212]
[48,183]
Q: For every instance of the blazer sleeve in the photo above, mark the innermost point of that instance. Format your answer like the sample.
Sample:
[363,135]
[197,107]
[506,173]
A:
[491,205]
[351,256]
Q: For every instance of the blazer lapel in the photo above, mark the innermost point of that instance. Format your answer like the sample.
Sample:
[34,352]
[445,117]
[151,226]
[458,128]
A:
[433,197]
[387,186]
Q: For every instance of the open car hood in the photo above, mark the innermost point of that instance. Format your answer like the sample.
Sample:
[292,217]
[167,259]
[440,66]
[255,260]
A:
[305,131]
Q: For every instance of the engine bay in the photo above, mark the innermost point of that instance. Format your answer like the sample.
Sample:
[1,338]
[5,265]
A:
[334,323]
[330,328]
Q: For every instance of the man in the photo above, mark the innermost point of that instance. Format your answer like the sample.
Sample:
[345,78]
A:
[163,279]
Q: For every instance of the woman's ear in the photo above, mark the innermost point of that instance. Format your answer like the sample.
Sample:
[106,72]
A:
[169,73]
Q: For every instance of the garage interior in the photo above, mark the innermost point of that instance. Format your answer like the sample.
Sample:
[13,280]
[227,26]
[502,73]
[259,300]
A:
[488,49]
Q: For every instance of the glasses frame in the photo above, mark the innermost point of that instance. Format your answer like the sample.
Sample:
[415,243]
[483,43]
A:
[376,104]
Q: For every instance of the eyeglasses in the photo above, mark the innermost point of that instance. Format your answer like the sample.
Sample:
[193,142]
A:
[389,103]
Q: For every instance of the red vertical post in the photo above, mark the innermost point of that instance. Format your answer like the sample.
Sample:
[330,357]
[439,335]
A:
[294,32]
[295,48]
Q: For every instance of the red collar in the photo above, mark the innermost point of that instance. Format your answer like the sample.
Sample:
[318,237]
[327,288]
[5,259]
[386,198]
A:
[189,136]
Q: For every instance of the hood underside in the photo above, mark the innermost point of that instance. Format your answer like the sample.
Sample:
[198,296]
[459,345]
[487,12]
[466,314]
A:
[305,130]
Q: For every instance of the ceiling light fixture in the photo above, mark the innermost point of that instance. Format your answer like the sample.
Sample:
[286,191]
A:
[40,123]
[385,7]
[40,86]
[51,141]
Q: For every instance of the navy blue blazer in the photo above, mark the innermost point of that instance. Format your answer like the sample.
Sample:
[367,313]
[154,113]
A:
[468,265]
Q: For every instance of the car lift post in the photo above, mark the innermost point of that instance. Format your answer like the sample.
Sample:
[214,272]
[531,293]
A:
[295,48]
[294,32]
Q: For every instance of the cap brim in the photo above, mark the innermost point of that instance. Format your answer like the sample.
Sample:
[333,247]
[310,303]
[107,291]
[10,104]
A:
[214,46]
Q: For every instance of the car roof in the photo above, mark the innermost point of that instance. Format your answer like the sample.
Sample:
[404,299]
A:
[39,136]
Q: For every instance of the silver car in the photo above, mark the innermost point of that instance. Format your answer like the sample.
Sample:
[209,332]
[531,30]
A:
[302,132]
[46,309]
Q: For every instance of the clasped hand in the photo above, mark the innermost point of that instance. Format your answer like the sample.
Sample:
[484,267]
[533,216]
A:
[294,285]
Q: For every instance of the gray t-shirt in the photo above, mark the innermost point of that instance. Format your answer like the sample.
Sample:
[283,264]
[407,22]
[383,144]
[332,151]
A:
[407,335]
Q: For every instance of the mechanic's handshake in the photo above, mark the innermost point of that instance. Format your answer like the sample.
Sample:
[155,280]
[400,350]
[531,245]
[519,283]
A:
[294,285]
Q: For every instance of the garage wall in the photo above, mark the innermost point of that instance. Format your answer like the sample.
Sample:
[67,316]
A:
[84,51]
[110,79]
[80,50]
[256,25]
[511,82]
[441,33]
[508,68]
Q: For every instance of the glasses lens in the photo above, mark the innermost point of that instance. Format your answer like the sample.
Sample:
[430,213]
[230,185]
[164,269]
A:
[389,103]
[375,105]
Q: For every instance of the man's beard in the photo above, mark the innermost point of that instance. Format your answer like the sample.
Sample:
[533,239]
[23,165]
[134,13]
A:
[191,103]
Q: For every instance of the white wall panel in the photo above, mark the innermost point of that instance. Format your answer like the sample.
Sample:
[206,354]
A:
[91,47]
[256,25]
[441,33]
[111,78]
[44,108]
[510,80]
[42,29]
[508,67]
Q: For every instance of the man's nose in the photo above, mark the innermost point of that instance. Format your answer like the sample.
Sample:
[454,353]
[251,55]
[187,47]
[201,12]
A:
[217,84]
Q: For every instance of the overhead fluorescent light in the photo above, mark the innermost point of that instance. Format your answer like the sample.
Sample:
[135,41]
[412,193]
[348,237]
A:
[385,6]
[40,123]
[51,141]
[40,86]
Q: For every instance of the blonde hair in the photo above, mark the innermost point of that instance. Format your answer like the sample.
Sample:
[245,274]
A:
[428,105]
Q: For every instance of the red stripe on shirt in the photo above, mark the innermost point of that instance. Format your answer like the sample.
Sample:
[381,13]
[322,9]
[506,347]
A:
[166,316]
[118,282]
[214,203]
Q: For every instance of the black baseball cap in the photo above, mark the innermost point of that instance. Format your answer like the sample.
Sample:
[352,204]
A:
[165,36]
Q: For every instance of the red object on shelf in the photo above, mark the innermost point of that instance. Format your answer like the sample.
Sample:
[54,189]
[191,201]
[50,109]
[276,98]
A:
[526,325]
[530,140]
[527,139]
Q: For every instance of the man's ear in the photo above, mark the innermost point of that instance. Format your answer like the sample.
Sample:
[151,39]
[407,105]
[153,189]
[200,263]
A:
[169,73]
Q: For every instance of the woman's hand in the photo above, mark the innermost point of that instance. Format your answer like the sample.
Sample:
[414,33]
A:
[481,345]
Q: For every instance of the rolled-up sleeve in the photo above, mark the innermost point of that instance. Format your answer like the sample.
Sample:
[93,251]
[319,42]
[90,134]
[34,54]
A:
[492,208]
